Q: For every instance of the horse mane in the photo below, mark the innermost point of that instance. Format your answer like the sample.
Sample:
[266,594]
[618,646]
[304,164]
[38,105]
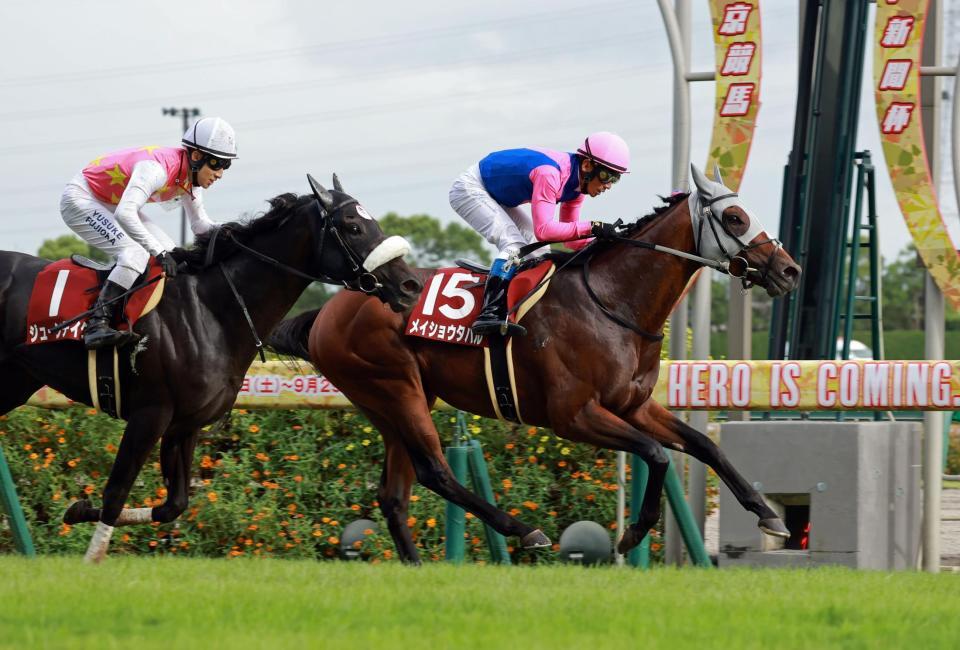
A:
[631,229]
[281,207]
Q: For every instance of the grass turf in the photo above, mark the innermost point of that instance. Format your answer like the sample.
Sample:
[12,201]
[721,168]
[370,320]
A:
[58,602]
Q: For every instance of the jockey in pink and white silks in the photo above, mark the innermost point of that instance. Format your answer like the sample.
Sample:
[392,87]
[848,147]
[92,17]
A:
[488,196]
[103,204]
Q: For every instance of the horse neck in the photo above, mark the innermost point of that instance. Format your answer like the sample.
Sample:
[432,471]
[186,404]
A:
[267,290]
[649,283]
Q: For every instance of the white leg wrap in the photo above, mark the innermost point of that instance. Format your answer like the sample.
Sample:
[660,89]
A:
[97,550]
[129,516]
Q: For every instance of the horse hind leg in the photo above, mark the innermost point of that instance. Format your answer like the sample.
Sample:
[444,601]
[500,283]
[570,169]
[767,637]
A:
[176,460]
[16,386]
[422,443]
[670,429]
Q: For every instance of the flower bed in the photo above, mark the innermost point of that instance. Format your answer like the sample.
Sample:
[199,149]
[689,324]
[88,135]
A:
[286,483]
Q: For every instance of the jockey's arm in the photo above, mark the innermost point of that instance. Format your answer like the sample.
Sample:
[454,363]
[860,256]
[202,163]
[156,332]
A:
[570,213]
[547,189]
[146,177]
[199,221]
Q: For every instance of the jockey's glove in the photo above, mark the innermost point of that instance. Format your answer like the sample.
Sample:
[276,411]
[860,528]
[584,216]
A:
[603,230]
[168,264]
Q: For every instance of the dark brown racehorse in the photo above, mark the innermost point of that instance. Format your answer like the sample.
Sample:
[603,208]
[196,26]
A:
[586,369]
[198,343]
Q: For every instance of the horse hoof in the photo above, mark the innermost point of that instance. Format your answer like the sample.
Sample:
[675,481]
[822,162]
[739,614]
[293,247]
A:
[536,539]
[774,527]
[76,513]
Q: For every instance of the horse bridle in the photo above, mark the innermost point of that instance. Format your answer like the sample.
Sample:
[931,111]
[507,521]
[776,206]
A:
[707,214]
[364,281]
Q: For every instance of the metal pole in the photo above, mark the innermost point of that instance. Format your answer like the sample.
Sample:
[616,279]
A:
[677,23]
[621,502]
[456,523]
[933,348]
[481,485]
[186,114]
[9,501]
[697,471]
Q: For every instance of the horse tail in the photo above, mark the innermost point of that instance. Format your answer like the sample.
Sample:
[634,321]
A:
[290,336]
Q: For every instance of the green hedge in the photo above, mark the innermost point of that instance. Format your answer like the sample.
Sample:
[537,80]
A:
[285,483]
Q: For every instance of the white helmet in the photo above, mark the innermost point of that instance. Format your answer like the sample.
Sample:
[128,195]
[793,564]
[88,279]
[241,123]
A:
[212,135]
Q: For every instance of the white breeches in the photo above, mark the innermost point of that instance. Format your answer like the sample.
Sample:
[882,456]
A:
[506,228]
[95,223]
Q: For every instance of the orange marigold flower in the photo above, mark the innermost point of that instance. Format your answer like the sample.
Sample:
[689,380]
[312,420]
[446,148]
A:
[562,463]
[355,507]
[368,531]
[514,512]
[298,478]
[530,504]
[88,489]
[262,456]
[431,523]
[532,459]
[71,463]
[212,496]
[411,521]
[507,484]
[414,497]
[162,492]
[655,547]
[341,466]
[509,445]
[253,428]
[387,554]
[333,540]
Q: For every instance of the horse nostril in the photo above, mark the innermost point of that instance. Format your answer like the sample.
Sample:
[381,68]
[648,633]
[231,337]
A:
[792,272]
[412,286]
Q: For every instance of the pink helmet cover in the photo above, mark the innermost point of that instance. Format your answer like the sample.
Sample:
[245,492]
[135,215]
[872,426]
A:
[608,149]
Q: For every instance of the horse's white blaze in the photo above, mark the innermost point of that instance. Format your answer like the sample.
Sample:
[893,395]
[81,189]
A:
[389,249]
[57,296]
[99,544]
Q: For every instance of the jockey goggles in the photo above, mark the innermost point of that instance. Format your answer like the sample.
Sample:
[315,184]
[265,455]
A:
[215,163]
[607,176]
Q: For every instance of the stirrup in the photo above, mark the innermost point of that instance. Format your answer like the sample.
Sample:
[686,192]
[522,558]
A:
[108,337]
[503,328]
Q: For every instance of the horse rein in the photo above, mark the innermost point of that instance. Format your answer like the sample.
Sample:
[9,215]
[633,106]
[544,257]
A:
[366,281]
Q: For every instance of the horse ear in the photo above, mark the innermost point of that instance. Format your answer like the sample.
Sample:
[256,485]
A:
[701,181]
[336,183]
[319,191]
[716,173]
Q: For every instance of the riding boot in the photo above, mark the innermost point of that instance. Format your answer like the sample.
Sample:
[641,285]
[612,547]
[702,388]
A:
[493,315]
[99,332]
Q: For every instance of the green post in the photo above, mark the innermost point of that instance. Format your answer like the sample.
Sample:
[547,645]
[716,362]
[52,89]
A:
[639,556]
[681,510]
[456,524]
[481,485]
[8,498]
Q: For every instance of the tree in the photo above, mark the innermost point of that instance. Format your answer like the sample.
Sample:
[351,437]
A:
[434,244]
[67,245]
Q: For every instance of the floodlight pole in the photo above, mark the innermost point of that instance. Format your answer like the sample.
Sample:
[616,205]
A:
[186,114]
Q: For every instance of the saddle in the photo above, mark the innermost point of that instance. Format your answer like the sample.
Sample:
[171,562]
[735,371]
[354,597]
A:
[66,288]
[452,300]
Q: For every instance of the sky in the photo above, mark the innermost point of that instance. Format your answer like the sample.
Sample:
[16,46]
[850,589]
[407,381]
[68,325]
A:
[397,98]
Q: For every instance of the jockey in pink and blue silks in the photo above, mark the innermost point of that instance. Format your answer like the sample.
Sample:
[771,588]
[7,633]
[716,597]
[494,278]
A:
[488,196]
[103,203]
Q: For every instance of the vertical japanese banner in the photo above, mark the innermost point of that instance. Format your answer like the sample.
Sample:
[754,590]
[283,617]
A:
[736,38]
[898,44]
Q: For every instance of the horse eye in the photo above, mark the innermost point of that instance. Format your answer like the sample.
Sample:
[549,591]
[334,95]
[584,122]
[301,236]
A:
[354,229]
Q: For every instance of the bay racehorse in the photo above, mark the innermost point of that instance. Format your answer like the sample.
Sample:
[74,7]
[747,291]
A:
[196,346]
[586,369]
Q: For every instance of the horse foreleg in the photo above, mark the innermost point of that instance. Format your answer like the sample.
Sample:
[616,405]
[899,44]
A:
[597,426]
[393,495]
[143,430]
[176,460]
[670,429]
